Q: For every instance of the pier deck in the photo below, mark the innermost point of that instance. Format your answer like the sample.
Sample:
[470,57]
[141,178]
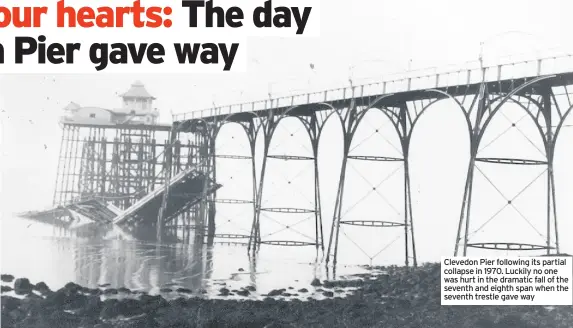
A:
[185,190]
[94,210]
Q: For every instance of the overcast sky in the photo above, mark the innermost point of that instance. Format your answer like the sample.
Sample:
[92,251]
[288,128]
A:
[360,39]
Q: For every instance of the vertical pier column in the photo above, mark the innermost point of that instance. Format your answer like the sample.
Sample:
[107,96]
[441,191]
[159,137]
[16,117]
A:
[410,241]
[317,206]
[252,143]
[550,152]
[255,237]
[467,199]
[209,199]
[335,230]
[168,173]
[268,128]
[314,129]
[405,135]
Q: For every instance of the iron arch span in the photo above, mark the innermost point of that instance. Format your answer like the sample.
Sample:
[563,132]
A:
[478,102]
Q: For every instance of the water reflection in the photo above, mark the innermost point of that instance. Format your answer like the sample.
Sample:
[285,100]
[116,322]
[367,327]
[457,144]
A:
[140,266]
[93,256]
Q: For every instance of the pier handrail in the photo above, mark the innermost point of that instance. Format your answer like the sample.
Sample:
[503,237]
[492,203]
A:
[412,80]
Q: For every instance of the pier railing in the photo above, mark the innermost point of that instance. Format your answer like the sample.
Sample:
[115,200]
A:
[421,79]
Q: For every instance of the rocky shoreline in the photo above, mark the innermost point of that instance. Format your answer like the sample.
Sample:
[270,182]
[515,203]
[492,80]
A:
[400,298]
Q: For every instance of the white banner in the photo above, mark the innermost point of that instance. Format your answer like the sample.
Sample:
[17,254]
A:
[507,281]
[144,36]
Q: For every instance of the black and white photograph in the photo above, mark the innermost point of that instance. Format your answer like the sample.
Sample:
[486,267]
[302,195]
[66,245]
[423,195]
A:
[411,166]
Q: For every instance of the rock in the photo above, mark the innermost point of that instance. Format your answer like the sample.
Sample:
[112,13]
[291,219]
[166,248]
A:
[7,277]
[75,301]
[145,322]
[103,325]
[241,269]
[42,288]
[109,309]
[33,296]
[62,319]
[243,293]
[146,298]
[92,307]
[224,292]
[104,285]
[89,322]
[73,287]
[124,290]
[110,291]
[22,286]
[150,303]
[251,288]
[128,308]
[278,325]
[484,323]
[405,301]
[6,289]
[405,304]
[384,278]
[85,290]
[328,284]
[165,290]
[94,292]
[184,290]
[17,315]
[66,298]
[315,282]
[512,321]
[58,298]
[276,292]
[9,303]
[180,302]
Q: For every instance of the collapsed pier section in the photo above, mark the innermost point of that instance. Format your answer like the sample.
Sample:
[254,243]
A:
[122,167]
[119,165]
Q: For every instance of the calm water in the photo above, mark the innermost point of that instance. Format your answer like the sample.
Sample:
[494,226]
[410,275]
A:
[42,253]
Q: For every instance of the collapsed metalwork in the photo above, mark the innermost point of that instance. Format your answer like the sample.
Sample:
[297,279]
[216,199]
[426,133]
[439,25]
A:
[126,180]
[121,164]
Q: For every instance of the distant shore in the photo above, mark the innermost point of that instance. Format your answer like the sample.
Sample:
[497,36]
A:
[401,298]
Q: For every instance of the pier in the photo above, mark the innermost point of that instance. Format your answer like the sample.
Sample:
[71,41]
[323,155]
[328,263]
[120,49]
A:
[116,164]
[135,172]
[541,87]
